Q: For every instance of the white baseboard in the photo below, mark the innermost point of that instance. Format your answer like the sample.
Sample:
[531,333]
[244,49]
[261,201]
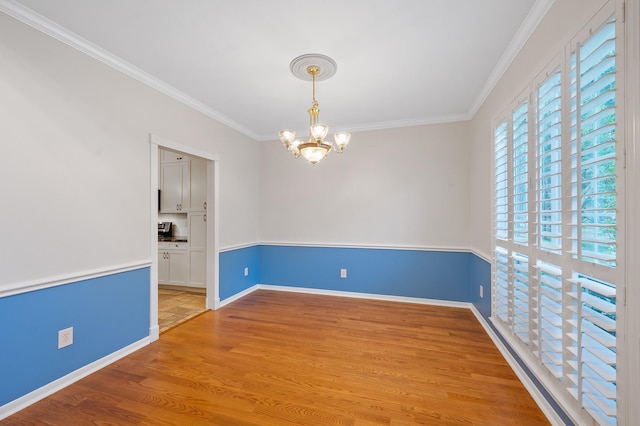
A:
[534,391]
[236,296]
[373,296]
[154,333]
[50,388]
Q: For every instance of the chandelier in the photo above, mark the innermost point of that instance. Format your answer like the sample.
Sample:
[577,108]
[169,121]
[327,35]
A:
[313,67]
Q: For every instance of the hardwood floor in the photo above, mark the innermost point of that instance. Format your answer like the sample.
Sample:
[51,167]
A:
[275,358]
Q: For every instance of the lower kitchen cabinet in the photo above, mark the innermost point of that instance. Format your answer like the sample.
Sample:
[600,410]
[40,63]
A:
[163,266]
[198,249]
[173,265]
[197,268]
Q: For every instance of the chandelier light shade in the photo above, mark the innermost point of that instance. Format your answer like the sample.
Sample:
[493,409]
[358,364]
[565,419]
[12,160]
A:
[313,67]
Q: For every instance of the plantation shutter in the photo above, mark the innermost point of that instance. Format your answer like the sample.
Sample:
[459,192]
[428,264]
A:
[593,122]
[594,199]
[550,321]
[548,97]
[557,204]
[501,183]
[549,164]
[501,224]
[520,175]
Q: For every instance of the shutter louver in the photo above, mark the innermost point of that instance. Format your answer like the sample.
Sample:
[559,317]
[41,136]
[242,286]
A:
[593,148]
[502,284]
[594,347]
[501,183]
[550,317]
[521,296]
[550,164]
[520,178]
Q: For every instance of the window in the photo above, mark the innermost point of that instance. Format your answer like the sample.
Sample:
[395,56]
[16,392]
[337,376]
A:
[556,197]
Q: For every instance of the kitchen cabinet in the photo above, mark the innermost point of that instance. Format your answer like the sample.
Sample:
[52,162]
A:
[172,156]
[163,266]
[198,170]
[197,230]
[197,269]
[173,263]
[197,249]
[175,186]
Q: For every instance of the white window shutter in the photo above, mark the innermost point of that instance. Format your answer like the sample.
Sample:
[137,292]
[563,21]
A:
[556,201]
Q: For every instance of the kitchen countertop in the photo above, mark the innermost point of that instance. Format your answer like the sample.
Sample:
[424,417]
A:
[172,239]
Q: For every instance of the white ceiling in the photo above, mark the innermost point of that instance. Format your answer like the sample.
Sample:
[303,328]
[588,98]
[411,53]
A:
[400,62]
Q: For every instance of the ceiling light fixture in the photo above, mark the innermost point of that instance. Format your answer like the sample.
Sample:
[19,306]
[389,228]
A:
[313,67]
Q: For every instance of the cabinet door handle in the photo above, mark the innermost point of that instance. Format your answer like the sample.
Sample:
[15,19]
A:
[205,218]
[205,205]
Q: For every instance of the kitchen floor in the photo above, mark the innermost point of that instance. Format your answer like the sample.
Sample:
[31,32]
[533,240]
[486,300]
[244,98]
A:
[177,306]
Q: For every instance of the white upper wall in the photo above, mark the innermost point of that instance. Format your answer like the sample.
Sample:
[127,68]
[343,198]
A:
[405,187]
[563,20]
[76,171]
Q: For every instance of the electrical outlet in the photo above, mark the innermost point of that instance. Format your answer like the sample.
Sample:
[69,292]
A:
[246,272]
[65,337]
[343,273]
[481,291]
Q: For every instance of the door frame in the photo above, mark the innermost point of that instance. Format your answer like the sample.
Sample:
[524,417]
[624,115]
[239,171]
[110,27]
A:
[213,248]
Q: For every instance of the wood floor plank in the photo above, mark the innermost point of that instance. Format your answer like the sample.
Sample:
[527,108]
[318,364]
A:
[275,358]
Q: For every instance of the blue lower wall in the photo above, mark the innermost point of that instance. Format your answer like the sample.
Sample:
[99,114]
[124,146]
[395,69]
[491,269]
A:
[409,273]
[481,276]
[232,263]
[106,313]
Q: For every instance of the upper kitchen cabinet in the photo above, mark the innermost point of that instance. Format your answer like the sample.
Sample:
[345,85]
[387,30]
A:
[198,199]
[175,186]
[172,156]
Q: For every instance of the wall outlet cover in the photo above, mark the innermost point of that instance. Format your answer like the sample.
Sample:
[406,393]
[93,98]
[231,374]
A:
[65,337]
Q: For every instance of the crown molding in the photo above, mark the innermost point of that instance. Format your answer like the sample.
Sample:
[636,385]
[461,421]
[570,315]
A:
[46,26]
[382,125]
[528,26]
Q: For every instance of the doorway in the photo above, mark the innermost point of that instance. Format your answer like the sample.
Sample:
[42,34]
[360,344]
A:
[184,275]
